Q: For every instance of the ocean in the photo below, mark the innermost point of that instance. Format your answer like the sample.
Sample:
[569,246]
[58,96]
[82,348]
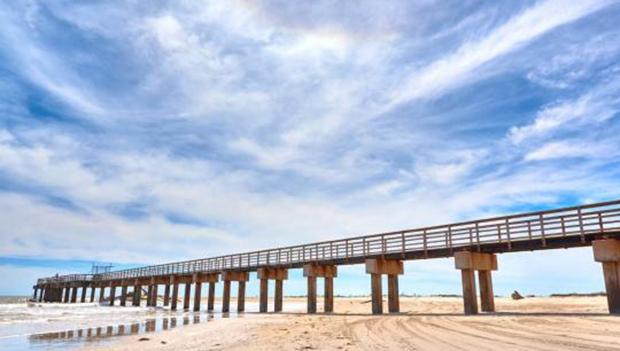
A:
[50,326]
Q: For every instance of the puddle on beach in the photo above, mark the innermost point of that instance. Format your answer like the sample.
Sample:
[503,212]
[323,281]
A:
[98,335]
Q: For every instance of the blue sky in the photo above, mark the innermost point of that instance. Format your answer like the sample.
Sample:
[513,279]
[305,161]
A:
[145,132]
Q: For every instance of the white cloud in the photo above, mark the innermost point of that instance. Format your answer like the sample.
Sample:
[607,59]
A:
[455,68]
[44,69]
[570,149]
[593,107]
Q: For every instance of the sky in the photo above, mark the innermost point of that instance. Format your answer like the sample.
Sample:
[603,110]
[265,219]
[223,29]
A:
[137,132]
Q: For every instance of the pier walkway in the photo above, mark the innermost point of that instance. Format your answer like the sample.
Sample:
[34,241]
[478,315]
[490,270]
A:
[473,244]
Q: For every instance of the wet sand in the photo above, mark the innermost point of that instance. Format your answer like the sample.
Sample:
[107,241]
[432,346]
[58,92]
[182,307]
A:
[426,323]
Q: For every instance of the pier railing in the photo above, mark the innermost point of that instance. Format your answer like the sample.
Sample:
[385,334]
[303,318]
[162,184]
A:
[66,278]
[542,226]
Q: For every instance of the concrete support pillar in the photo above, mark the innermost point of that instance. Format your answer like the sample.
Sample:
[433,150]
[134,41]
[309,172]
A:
[92,293]
[188,291]
[67,294]
[175,296]
[263,295]
[328,295]
[376,293]
[393,296]
[34,295]
[484,263]
[155,295]
[311,294]
[101,293]
[123,294]
[197,295]
[211,297]
[74,292]
[83,296]
[149,294]
[41,292]
[611,272]
[392,268]
[277,303]
[241,296]
[487,300]
[112,294]
[607,251]
[166,294]
[470,302]
[226,297]
[137,294]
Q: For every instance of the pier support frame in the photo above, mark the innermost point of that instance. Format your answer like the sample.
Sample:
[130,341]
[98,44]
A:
[151,299]
[123,301]
[211,296]
[67,294]
[52,293]
[83,295]
[175,293]
[92,293]
[468,263]
[198,279]
[74,292]
[112,293]
[607,252]
[328,273]
[241,278]
[266,274]
[101,293]
[166,294]
[137,293]
[186,298]
[392,268]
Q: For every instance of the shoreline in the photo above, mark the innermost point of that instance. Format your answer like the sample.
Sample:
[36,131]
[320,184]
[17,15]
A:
[426,323]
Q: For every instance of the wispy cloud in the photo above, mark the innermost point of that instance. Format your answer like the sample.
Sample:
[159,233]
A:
[587,111]
[455,68]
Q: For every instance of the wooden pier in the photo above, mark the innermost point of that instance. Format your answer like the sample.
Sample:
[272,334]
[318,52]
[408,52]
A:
[473,244]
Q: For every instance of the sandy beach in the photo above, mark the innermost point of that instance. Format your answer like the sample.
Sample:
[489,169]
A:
[426,323]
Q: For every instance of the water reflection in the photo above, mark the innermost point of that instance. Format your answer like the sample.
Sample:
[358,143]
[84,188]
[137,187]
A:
[100,333]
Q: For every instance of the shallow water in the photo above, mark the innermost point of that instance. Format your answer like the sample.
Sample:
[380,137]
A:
[62,326]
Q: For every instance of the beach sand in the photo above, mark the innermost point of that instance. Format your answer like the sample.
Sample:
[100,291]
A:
[426,323]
